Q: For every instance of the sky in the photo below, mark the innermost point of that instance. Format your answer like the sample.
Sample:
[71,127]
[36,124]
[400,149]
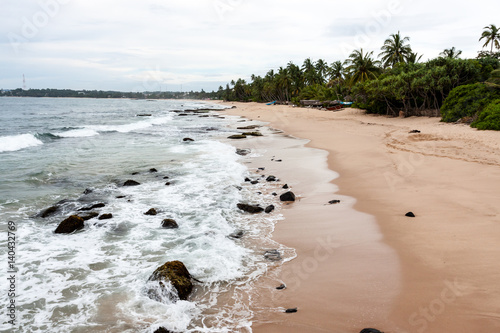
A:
[152,45]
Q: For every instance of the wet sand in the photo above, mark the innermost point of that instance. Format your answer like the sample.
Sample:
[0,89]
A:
[372,266]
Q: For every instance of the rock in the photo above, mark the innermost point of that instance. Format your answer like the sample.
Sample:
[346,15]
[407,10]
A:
[414,131]
[242,152]
[144,115]
[274,194]
[89,216]
[273,255]
[69,225]
[131,182]
[134,173]
[370,330]
[120,196]
[332,202]
[247,179]
[261,168]
[177,274]
[151,211]
[281,287]
[169,224]
[410,214]
[288,196]
[269,209]
[271,179]
[250,208]
[97,205]
[248,127]
[291,310]
[153,170]
[49,211]
[253,182]
[87,191]
[253,134]
[237,234]
[278,160]
[162,329]
[187,140]
[166,177]
[106,216]
[237,136]
[285,186]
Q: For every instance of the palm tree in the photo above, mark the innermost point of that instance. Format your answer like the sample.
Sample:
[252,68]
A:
[336,73]
[309,70]
[492,36]
[451,53]
[361,66]
[394,50]
[413,58]
[321,70]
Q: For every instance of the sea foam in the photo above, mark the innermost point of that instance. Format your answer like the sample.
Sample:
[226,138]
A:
[18,142]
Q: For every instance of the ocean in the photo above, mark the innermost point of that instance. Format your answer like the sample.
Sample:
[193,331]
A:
[75,153]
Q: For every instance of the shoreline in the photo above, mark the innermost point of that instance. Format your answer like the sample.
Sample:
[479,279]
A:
[444,277]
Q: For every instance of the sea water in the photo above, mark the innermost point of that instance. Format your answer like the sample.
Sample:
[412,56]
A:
[74,153]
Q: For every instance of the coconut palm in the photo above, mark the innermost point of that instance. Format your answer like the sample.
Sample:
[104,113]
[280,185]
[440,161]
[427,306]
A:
[491,34]
[309,70]
[362,67]
[321,70]
[395,50]
[451,53]
[336,73]
[413,58]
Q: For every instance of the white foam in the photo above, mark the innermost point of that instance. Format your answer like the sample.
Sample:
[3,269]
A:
[78,133]
[125,128]
[18,142]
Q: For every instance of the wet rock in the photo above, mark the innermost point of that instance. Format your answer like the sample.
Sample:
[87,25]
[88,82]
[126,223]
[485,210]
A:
[177,274]
[89,216]
[69,225]
[261,168]
[237,234]
[271,179]
[293,310]
[153,170]
[49,211]
[278,160]
[168,183]
[269,209]
[162,329]
[237,136]
[247,179]
[410,214]
[131,182]
[169,224]
[414,131]
[288,196]
[253,182]
[94,206]
[253,134]
[134,173]
[250,127]
[281,287]
[120,196]
[187,140]
[370,330]
[333,202]
[285,186]
[242,152]
[87,191]
[253,209]
[151,211]
[273,255]
[105,216]
[274,194]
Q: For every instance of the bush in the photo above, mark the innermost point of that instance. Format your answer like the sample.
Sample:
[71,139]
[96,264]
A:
[489,118]
[467,101]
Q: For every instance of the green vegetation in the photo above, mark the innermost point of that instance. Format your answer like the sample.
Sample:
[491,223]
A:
[489,118]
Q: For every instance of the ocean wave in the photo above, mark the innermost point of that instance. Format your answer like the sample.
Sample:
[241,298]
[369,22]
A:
[77,133]
[18,142]
[135,126]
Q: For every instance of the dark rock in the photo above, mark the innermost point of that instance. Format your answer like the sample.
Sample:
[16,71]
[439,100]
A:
[262,168]
[151,211]
[269,209]
[187,140]
[49,211]
[69,225]
[182,114]
[168,183]
[271,179]
[242,152]
[273,255]
[166,177]
[414,131]
[169,224]
[144,115]
[105,216]
[254,182]
[370,330]
[120,196]
[239,188]
[332,202]
[248,127]
[248,180]
[274,194]
[97,205]
[134,173]
[281,287]
[410,214]
[285,186]
[89,216]
[131,182]
[291,310]
[162,329]
[250,208]
[253,134]
[87,191]
[278,160]
[288,196]
[177,274]
[237,136]
[237,234]
[153,170]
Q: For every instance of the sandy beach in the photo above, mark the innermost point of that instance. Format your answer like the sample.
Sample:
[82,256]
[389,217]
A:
[361,262]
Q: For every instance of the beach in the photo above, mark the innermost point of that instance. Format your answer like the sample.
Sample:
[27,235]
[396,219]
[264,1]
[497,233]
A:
[361,262]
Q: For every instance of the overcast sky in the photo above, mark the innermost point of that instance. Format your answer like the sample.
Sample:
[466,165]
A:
[141,45]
